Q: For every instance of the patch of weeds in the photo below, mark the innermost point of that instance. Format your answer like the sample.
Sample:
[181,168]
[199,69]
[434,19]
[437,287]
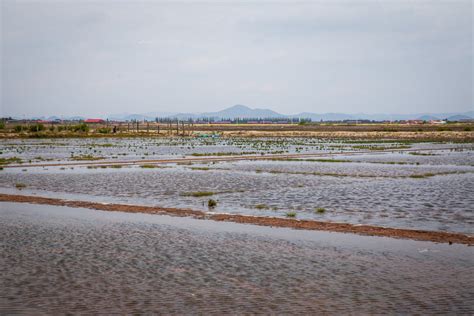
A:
[291,214]
[5,161]
[262,207]
[211,203]
[20,186]
[320,210]
[422,176]
[115,166]
[198,193]
[148,166]
[421,154]
[86,157]
[200,168]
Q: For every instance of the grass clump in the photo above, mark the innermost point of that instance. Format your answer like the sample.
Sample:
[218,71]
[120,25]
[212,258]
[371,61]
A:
[262,207]
[291,214]
[422,176]
[148,166]
[115,166]
[211,203]
[198,193]
[200,168]
[104,130]
[421,154]
[86,157]
[20,186]
[5,161]
[320,210]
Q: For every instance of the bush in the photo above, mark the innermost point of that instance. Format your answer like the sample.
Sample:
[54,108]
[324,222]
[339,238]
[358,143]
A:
[36,128]
[291,214]
[2,125]
[18,128]
[211,203]
[104,130]
[83,127]
[320,210]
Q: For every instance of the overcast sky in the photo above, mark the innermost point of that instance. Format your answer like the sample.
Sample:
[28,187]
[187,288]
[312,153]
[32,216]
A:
[97,57]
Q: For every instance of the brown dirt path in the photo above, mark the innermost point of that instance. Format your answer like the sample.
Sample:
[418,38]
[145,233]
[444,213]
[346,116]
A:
[367,230]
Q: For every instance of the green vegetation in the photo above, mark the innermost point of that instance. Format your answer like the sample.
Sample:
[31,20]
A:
[198,193]
[148,166]
[262,207]
[415,153]
[421,176]
[291,214]
[375,147]
[18,128]
[225,153]
[83,127]
[200,168]
[104,130]
[310,160]
[115,166]
[86,157]
[211,203]
[20,186]
[36,128]
[6,161]
[320,210]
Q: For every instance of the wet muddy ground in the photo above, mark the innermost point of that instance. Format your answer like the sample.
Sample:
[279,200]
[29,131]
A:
[58,259]
[421,187]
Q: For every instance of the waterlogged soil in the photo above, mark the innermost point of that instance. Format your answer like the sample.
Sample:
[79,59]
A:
[41,151]
[429,189]
[59,260]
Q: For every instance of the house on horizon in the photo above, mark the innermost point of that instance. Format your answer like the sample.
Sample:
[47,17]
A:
[96,121]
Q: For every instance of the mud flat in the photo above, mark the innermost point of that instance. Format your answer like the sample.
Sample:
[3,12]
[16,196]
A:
[443,237]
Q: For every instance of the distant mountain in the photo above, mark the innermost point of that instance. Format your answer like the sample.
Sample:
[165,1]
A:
[242,111]
[427,118]
[245,112]
[459,117]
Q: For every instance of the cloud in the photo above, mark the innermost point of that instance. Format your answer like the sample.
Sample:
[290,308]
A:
[357,56]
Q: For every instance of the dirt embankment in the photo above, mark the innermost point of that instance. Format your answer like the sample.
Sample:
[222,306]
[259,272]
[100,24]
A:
[422,235]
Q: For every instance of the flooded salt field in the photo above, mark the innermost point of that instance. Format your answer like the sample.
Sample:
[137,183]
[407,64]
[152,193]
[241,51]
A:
[57,259]
[110,149]
[424,187]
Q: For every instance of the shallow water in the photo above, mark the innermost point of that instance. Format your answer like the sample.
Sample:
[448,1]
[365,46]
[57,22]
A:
[442,202]
[110,149]
[374,188]
[58,259]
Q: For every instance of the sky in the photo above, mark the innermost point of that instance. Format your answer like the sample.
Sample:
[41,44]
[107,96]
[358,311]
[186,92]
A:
[96,58]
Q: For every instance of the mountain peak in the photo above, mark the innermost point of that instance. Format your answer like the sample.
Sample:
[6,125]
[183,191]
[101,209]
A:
[239,107]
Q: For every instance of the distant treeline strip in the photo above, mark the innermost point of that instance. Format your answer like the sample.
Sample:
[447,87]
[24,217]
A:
[367,230]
